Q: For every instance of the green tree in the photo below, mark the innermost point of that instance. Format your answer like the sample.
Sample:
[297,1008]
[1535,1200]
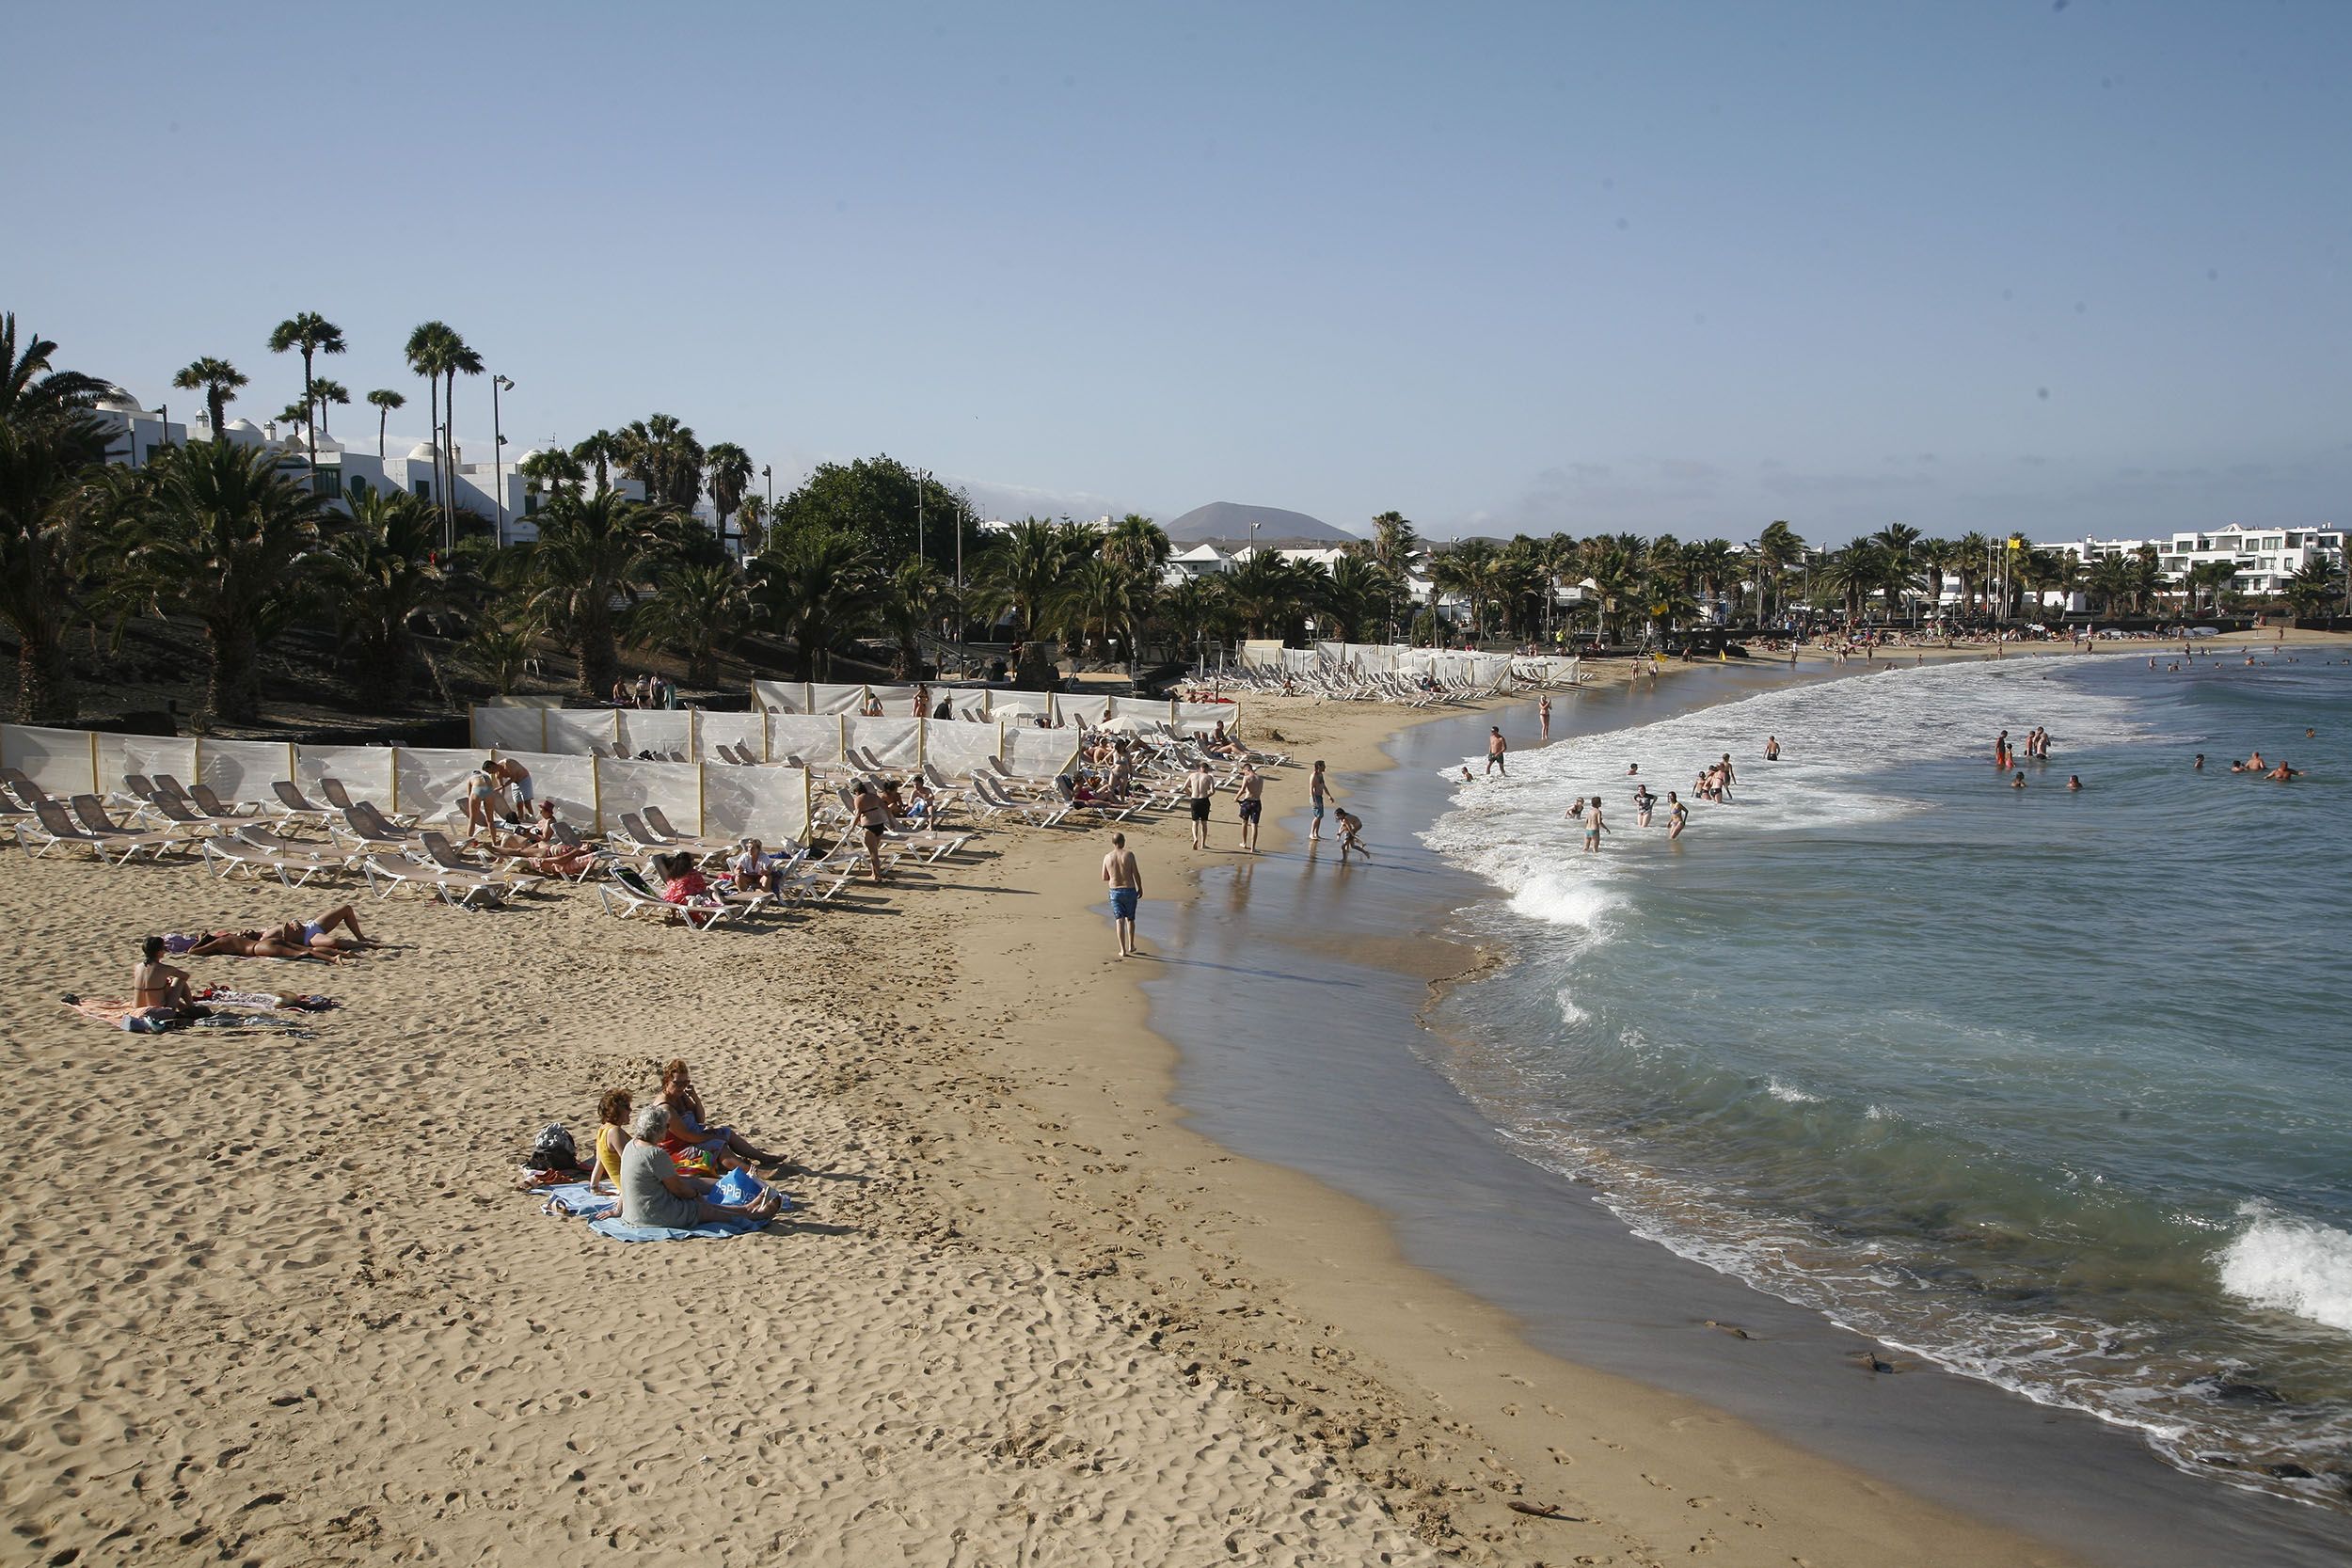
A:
[751,525]
[383,582]
[385,400]
[1022,572]
[695,613]
[2316,589]
[1138,544]
[728,473]
[325,394]
[432,348]
[1776,549]
[312,334]
[813,586]
[606,451]
[1393,542]
[50,449]
[662,454]
[218,380]
[879,503]
[906,601]
[553,473]
[1362,594]
[213,532]
[590,552]
[1197,608]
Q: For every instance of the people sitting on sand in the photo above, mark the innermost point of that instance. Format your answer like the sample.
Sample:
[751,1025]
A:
[160,991]
[612,1118]
[677,1093]
[654,1193]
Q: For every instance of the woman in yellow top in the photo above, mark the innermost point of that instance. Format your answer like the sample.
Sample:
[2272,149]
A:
[613,1118]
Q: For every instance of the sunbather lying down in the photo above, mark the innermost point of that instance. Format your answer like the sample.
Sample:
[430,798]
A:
[297,939]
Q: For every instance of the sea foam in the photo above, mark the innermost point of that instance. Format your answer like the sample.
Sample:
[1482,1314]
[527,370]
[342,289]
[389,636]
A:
[2291,1265]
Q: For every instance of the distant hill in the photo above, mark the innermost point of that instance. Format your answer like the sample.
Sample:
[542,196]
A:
[1229,522]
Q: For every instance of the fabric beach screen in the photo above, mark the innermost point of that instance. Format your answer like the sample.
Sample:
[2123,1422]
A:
[1039,753]
[835,699]
[570,781]
[894,742]
[676,788]
[243,769]
[656,730]
[62,762]
[581,732]
[955,747]
[510,729]
[745,730]
[783,696]
[366,771]
[769,803]
[430,784]
[815,739]
[147,756]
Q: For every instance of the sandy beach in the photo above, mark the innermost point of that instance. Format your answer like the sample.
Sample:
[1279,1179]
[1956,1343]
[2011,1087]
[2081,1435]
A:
[278,1300]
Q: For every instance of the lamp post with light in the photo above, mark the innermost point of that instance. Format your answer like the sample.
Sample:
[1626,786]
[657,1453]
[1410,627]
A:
[498,454]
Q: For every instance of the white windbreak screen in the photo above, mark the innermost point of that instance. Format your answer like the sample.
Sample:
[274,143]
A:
[768,803]
[583,731]
[783,696]
[568,781]
[896,743]
[431,785]
[1082,710]
[955,749]
[366,771]
[1039,753]
[510,729]
[146,755]
[58,760]
[714,730]
[631,786]
[898,701]
[244,770]
[834,699]
[817,741]
[1192,717]
[656,730]
[971,704]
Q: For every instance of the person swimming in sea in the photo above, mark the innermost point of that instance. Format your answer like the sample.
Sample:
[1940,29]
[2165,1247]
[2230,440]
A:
[1772,748]
[1642,802]
[2283,772]
[2019,782]
[2198,766]
[1593,827]
[2074,781]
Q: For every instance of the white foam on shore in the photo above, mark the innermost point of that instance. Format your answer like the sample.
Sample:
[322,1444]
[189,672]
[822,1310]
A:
[1779,1090]
[2286,1264]
[1561,901]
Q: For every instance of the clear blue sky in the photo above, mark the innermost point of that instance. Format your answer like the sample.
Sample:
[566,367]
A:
[2078,267]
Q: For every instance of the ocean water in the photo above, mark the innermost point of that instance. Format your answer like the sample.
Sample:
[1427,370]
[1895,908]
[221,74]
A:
[2050,1089]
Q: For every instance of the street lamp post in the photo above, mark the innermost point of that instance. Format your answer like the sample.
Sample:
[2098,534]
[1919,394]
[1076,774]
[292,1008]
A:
[770,475]
[921,477]
[498,454]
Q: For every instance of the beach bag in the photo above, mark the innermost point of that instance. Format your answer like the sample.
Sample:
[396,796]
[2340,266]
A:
[736,1187]
[554,1150]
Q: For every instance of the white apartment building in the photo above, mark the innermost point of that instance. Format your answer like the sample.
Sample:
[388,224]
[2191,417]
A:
[2265,557]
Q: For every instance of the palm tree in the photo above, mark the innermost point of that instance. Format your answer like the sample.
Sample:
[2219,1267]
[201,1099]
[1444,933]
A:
[553,473]
[47,461]
[323,392]
[604,450]
[2208,579]
[313,334]
[501,651]
[1195,608]
[663,453]
[1715,564]
[1263,592]
[1138,544]
[2147,578]
[1102,594]
[385,581]
[813,586]
[1393,542]
[1361,594]
[751,525]
[1023,574]
[2314,589]
[695,612]
[1969,553]
[590,553]
[461,360]
[1778,548]
[213,532]
[30,390]
[728,475]
[385,400]
[429,350]
[1463,570]
[2110,579]
[1855,573]
[907,601]
[218,380]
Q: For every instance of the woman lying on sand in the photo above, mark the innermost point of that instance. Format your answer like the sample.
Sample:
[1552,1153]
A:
[652,1192]
[297,939]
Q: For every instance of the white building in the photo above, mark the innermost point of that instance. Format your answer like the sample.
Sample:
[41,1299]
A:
[2264,557]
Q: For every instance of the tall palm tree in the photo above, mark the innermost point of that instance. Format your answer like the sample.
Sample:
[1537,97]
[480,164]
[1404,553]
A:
[1393,541]
[461,360]
[663,454]
[384,582]
[590,553]
[1464,570]
[429,350]
[604,450]
[906,601]
[213,532]
[695,612]
[553,473]
[1714,563]
[1969,554]
[1023,574]
[1195,608]
[813,586]
[218,380]
[313,334]
[728,474]
[1361,594]
[325,393]
[1776,549]
[751,524]
[2316,589]
[1138,544]
[385,400]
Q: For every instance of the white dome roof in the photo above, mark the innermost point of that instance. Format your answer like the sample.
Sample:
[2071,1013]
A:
[423,453]
[534,452]
[244,424]
[118,400]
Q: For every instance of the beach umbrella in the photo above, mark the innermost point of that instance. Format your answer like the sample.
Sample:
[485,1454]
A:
[1126,723]
[1012,711]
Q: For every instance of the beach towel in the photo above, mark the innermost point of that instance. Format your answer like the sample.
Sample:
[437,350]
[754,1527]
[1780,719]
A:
[573,1200]
[118,1013]
[621,1231]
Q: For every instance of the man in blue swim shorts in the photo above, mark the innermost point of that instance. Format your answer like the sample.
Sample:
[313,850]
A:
[1126,885]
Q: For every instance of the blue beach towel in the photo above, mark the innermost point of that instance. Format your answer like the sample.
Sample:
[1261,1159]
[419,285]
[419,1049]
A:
[604,1213]
[621,1231]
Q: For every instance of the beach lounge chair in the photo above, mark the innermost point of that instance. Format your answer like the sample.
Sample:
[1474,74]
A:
[465,888]
[1102,810]
[364,830]
[227,856]
[26,790]
[930,843]
[295,810]
[49,827]
[218,810]
[107,835]
[675,840]
[1043,814]
[440,851]
[626,894]
[340,798]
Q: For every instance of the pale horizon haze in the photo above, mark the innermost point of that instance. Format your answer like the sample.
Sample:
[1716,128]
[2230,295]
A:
[2070,269]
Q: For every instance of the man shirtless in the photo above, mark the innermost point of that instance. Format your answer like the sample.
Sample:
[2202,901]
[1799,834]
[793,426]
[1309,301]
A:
[1725,777]
[1126,884]
[297,939]
[1250,793]
[1351,835]
[1496,746]
[156,988]
[1200,788]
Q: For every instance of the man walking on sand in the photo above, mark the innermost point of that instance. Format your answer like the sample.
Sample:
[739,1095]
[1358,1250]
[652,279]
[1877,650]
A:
[1316,788]
[1126,884]
[1496,746]
[1250,794]
[1200,785]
